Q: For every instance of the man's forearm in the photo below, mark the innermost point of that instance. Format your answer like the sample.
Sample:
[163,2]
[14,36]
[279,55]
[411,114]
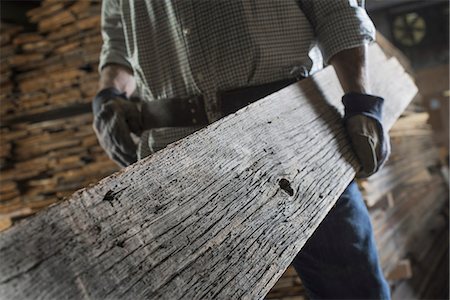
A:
[352,69]
[118,76]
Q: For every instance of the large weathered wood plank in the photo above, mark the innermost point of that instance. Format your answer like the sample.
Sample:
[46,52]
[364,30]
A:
[220,214]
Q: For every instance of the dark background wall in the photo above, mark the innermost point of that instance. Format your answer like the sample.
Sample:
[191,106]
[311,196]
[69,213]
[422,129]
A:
[420,29]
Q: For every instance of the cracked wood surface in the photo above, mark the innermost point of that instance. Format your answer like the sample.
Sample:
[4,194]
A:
[219,214]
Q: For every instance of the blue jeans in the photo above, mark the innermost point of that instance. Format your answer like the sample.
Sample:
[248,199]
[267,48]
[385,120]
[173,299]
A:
[340,259]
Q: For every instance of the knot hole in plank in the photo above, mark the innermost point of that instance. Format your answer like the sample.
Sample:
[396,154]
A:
[110,196]
[285,185]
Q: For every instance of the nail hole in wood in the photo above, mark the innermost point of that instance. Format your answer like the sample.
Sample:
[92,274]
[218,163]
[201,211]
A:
[285,185]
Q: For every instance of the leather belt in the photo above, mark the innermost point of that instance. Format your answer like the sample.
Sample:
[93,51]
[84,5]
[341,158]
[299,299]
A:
[185,112]
[233,100]
[177,112]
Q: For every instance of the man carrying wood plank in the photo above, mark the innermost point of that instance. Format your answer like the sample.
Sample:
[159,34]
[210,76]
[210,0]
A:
[194,62]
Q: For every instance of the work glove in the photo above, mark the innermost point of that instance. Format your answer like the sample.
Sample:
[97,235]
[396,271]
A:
[115,118]
[369,139]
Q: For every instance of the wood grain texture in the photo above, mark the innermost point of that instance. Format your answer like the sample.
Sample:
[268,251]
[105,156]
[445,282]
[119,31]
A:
[219,214]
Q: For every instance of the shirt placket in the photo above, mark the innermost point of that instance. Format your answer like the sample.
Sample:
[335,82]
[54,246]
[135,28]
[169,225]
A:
[197,59]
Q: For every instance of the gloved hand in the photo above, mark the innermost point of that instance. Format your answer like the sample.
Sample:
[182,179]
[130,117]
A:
[369,140]
[115,118]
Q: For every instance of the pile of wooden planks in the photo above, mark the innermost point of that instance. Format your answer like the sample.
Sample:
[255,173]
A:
[288,287]
[55,65]
[408,204]
[7,51]
[51,159]
[48,79]
[429,256]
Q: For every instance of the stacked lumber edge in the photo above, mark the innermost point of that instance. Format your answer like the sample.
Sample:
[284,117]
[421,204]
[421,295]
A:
[48,79]
[54,66]
[408,204]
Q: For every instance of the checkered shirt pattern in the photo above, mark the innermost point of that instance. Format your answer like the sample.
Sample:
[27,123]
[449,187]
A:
[179,48]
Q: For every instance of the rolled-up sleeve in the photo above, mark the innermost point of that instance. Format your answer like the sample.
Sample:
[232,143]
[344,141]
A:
[114,48]
[338,24]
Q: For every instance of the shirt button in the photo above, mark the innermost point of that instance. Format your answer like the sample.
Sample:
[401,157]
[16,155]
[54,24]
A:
[186,31]
[199,77]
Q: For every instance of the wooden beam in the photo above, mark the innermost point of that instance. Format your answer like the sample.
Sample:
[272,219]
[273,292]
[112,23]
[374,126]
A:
[219,214]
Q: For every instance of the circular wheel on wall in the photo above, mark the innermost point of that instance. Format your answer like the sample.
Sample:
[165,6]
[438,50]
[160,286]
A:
[409,29]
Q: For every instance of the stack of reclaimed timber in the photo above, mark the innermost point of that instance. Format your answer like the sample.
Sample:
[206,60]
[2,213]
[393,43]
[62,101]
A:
[288,287]
[54,64]
[7,32]
[49,77]
[7,51]
[50,160]
[408,201]
[428,253]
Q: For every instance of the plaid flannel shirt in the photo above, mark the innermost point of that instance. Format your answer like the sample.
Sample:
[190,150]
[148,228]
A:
[179,48]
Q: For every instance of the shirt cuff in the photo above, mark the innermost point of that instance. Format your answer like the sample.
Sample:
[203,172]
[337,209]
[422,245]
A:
[345,30]
[111,57]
